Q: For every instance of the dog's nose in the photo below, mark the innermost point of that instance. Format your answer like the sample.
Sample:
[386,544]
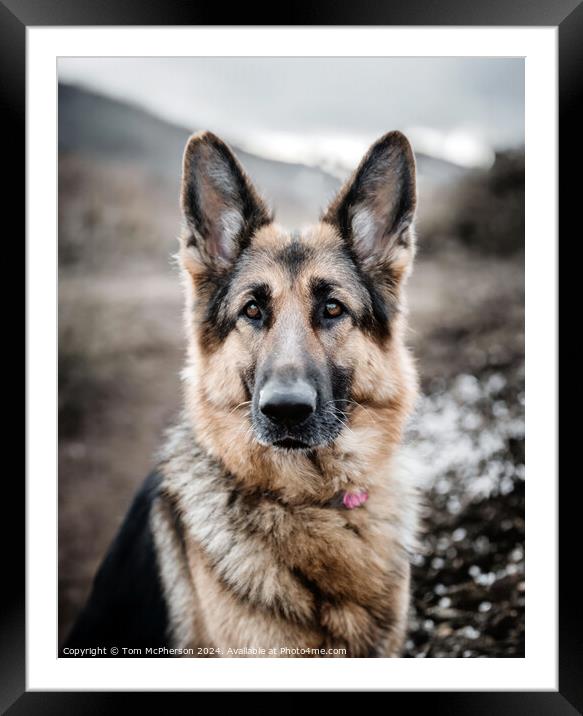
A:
[288,404]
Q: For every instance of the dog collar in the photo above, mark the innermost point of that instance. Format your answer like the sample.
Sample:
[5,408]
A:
[345,499]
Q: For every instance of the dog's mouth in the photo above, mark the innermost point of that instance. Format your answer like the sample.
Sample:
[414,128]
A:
[290,444]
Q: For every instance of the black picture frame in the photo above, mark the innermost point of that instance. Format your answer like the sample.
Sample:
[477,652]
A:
[15,17]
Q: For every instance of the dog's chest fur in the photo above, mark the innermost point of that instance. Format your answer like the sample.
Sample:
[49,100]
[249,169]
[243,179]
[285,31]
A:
[247,570]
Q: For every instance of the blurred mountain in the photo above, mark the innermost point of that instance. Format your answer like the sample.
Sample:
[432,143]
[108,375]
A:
[108,129]
[483,211]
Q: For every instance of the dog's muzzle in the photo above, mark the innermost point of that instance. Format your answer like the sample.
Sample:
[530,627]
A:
[288,404]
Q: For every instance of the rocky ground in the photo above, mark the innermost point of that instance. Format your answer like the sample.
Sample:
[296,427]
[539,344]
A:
[468,577]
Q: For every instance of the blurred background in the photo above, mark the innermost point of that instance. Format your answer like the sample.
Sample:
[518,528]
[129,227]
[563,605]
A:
[299,126]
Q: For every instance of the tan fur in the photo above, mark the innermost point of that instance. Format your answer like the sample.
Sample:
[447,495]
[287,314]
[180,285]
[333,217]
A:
[274,566]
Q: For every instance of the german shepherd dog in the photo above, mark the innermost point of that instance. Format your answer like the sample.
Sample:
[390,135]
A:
[278,521]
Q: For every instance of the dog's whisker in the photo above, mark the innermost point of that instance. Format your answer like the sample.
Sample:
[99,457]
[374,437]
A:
[343,423]
[246,402]
[355,402]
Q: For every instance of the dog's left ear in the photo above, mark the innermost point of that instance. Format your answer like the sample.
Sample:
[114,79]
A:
[374,210]
[221,207]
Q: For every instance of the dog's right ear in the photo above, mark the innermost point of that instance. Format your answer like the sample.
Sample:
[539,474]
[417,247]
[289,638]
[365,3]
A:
[374,211]
[221,208]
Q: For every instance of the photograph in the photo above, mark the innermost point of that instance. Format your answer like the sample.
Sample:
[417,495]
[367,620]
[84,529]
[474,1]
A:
[291,357]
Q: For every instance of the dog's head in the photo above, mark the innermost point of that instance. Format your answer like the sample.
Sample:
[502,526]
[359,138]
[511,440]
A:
[290,332]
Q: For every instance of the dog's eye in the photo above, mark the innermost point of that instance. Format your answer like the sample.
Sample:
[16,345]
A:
[333,309]
[252,311]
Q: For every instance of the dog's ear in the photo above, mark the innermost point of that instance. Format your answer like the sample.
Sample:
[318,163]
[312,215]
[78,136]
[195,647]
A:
[374,210]
[221,208]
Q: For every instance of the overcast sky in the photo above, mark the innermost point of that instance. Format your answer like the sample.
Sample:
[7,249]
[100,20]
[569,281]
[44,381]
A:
[461,108]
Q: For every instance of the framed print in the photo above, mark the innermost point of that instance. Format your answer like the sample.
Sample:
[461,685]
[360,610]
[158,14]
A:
[292,305]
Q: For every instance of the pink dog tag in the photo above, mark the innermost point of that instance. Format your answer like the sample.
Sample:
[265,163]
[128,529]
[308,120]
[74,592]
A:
[353,499]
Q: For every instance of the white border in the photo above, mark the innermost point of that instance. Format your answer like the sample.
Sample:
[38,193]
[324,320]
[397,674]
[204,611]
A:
[538,670]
